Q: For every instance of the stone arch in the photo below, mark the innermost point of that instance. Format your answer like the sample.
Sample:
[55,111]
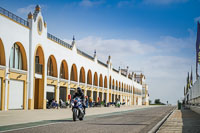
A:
[52,66]
[39,61]
[82,75]
[95,79]
[89,77]
[105,82]
[73,75]
[2,54]
[101,80]
[18,58]
[116,85]
[113,84]
[64,70]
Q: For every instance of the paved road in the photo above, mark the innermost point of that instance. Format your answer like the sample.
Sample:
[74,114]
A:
[137,121]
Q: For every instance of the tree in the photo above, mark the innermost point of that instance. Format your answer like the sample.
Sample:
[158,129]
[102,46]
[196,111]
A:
[157,101]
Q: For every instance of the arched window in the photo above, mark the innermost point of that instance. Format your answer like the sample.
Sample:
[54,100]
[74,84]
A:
[16,57]
[64,70]
[89,77]
[50,67]
[82,75]
[101,81]
[95,81]
[73,76]
[105,82]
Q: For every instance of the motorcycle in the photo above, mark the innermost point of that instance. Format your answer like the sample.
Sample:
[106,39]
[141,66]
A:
[77,109]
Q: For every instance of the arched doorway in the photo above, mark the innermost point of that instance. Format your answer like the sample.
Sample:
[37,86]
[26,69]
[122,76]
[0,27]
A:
[39,77]
[17,90]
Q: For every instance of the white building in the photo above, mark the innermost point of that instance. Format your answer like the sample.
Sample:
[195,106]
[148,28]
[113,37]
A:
[36,66]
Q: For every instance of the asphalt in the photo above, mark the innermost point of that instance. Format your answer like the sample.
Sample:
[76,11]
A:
[131,121]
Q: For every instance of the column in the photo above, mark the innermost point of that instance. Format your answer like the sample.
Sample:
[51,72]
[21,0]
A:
[6,88]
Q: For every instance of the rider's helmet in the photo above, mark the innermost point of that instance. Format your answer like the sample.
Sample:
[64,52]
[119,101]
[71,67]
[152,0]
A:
[79,90]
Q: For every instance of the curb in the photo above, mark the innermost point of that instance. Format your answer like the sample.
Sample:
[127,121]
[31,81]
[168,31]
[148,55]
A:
[160,123]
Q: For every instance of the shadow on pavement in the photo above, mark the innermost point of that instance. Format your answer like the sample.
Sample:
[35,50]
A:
[114,124]
[191,121]
[54,121]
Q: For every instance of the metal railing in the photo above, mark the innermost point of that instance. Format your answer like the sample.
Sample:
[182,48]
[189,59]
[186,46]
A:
[38,68]
[13,17]
[85,54]
[115,70]
[123,74]
[100,62]
[53,38]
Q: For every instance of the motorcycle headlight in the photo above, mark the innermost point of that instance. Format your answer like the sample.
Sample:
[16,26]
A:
[72,104]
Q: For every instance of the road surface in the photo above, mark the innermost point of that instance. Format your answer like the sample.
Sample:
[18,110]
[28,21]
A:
[136,121]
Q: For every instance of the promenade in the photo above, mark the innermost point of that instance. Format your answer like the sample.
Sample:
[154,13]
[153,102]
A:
[181,121]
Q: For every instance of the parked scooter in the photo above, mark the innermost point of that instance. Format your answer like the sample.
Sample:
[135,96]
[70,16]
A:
[77,109]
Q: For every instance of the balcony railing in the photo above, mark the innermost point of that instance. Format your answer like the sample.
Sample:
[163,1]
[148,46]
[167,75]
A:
[53,38]
[85,54]
[115,70]
[13,17]
[100,62]
[38,68]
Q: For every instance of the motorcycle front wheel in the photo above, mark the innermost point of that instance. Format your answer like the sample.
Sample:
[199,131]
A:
[74,114]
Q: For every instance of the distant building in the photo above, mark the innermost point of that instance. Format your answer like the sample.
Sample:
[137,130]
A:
[140,78]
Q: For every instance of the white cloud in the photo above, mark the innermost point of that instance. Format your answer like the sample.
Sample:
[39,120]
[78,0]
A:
[29,8]
[90,3]
[164,2]
[26,10]
[165,72]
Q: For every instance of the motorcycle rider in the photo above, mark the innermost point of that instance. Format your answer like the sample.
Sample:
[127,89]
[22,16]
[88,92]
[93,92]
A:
[80,94]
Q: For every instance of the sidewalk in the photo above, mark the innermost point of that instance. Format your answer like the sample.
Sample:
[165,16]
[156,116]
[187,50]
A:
[181,121]
[12,117]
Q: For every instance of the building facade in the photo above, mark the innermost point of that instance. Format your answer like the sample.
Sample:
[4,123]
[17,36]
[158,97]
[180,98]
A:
[36,66]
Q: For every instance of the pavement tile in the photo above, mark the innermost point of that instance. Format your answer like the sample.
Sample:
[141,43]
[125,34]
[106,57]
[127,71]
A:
[181,121]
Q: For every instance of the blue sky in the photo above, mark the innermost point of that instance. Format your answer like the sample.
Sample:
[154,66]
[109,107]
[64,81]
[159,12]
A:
[155,36]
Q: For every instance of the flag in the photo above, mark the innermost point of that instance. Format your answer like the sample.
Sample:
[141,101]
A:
[188,81]
[198,49]
[184,91]
[191,78]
